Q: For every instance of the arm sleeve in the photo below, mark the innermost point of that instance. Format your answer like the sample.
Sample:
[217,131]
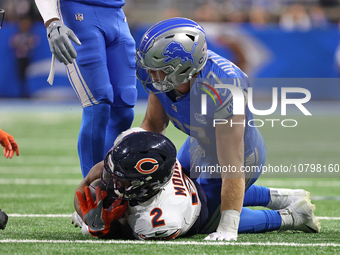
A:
[47,9]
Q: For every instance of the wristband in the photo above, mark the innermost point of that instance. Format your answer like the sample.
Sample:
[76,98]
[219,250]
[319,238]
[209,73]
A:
[229,222]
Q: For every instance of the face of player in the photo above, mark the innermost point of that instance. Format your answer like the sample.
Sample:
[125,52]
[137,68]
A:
[115,184]
[121,185]
[159,75]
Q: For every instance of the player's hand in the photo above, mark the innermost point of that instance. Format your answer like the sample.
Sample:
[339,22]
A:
[9,144]
[97,218]
[221,236]
[227,228]
[59,36]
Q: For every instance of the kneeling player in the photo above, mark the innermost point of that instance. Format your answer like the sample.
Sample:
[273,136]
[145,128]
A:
[164,203]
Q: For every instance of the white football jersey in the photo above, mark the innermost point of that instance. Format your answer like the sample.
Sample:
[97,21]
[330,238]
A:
[170,213]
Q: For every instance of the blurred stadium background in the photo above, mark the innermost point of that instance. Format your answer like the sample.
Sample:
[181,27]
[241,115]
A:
[265,38]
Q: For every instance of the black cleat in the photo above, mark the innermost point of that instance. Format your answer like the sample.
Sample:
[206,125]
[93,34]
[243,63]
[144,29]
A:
[3,219]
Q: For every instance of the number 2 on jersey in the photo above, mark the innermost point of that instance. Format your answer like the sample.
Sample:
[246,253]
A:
[156,222]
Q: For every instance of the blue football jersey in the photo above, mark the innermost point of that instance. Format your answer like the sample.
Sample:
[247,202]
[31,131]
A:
[105,3]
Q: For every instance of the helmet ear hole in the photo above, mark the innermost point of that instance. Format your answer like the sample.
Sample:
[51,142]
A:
[170,36]
[191,37]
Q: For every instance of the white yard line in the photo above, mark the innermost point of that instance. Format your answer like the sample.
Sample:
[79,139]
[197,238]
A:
[50,160]
[40,170]
[263,182]
[39,215]
[40,181]
[11,195]
[297,184]
[328,218]
[28,196]
[32,196]
[315,198]
[18,215]
[172,243]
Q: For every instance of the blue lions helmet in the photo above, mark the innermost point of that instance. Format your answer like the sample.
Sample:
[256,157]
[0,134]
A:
[175,46]
[138,166]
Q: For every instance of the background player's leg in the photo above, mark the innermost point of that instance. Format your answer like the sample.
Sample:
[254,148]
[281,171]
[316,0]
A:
[122,67]
[92,136]
[120,120]
[90,79]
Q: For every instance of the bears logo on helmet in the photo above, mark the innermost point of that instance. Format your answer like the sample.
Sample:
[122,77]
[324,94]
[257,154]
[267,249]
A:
[141,163]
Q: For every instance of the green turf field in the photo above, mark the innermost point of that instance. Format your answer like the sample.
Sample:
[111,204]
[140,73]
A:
[37,188]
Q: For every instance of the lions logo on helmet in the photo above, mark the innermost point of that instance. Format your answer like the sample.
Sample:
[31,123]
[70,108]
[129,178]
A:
[139,166]
[176,50]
